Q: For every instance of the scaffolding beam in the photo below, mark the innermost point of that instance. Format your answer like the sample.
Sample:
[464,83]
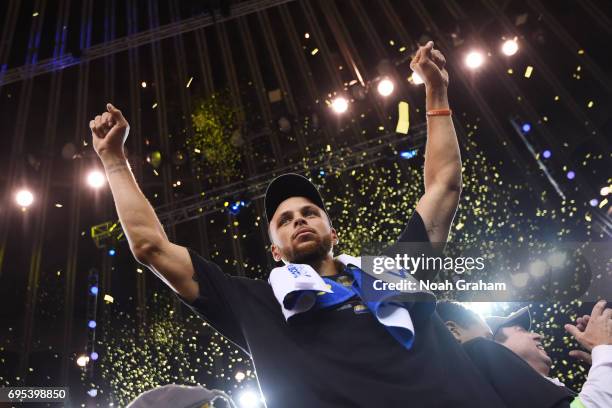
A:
[110,233]
[131,41]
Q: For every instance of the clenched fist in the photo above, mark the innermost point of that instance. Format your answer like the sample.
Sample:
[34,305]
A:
[429,64]
[109,132]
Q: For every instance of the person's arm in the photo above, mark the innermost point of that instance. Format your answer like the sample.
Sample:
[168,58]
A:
[148,241]
[597,338]
[442,170]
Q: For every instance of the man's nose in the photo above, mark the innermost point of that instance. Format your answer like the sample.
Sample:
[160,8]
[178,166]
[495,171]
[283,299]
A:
[538,336]
[299,220]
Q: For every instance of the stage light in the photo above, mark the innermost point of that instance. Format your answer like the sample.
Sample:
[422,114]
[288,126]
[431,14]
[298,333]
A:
[570,175]
[284,125]
[594,202]
[556,259]
[546,154]
[519,280]
[482,308]
[94,355]
[96,179]
[143,84]
[385,87]
[248,399]
[24,198]
[409,154]
[416,79]
[240,376]
[526,127]
[91,324]
[94,290]
[604,191]
[112,252]
[474,59]
[82,361]
[339,105]
[510,47]
[236,207]
[538,268]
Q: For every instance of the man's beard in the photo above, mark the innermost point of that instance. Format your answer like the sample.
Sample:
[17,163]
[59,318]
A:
[312,256]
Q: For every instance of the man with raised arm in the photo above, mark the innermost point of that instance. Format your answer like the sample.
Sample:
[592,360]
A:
[512,358]
[317,336]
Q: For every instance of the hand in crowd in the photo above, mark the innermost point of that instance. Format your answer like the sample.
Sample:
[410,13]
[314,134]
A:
[581,324]
[429,64]
[109,131]
[591,331]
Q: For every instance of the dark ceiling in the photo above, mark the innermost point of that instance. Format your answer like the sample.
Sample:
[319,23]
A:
[62,60]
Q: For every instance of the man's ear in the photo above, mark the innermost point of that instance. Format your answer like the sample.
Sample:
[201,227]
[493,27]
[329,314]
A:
[276,254]
[454,329]
[334,235]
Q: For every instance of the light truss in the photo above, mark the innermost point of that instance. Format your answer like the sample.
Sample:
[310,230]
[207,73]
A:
[253,188]
[132,41]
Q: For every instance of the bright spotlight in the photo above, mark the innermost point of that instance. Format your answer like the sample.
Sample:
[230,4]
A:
[339,104]
[408,154]
[594,202]
[557,259]
[96,179]
[385,87]
[482,308]
[248,399]
[82,361]
[474,59]
[526,127]
[240,376]
[24,198]
[94,355]
[93,290]
[92,324]
[538,268]
[546,154]
[416,79]
[510,47]
[519,280]
[571,175]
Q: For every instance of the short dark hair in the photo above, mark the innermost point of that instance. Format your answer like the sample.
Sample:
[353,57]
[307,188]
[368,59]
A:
[499,335]
[455,312]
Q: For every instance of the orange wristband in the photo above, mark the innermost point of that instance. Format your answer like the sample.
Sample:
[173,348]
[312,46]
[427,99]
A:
[439,112]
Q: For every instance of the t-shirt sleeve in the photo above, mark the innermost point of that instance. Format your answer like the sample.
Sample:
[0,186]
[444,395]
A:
[414,242]
[415,230]
[217,302]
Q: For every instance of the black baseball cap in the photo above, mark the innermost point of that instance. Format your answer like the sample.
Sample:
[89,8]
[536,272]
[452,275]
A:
[521,317]
[290,185]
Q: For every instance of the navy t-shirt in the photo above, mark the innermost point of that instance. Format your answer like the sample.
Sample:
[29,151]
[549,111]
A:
[517,384]
[341,357]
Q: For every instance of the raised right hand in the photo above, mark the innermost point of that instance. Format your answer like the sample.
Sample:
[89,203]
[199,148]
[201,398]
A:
[109,132]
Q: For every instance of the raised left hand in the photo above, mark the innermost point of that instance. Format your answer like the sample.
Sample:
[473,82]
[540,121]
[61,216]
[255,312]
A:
[429,64]
[598,327]
[581,324]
